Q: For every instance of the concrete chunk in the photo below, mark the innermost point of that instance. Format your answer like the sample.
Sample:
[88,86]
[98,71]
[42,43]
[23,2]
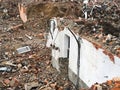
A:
[23,49]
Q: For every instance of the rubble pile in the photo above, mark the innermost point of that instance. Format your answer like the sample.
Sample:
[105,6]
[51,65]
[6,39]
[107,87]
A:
[25,61]
[25,64]
[104,27]
[109,85]
[105,31]
[6,9]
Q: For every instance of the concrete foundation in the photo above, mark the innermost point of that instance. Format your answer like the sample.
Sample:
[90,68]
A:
[73,77]
[55,63]
[62,66]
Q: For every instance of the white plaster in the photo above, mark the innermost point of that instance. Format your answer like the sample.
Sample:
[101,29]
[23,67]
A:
[49,40]
[95,66]
[53,33]
[73,55]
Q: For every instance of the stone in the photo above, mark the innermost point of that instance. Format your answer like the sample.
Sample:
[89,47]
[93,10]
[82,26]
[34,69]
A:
[61,88]
[5,10]
[53,85]
[48,62]
[23,49]
[6,81]
[100,36]
[1,84]
[33,78]
[41,35]
[30,85]
[24,63]
[109,37]
[14,82]
[24,69]
[46,81]
[19,66]
[33,56]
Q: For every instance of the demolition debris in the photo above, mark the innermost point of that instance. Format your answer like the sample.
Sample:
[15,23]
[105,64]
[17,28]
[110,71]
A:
[25,62]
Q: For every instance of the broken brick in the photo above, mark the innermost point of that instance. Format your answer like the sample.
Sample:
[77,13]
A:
[6,81]
[14,82]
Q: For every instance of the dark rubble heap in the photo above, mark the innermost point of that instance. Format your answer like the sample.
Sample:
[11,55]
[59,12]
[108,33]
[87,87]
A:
[103,26]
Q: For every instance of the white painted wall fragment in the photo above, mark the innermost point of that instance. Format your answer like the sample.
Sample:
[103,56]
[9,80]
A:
[95,64]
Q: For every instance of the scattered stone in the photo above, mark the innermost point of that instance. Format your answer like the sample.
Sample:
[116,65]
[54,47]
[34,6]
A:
[108,37]
[41,35]
[33,56]
[14,82]
[7,82]
[24,70]
[28,86]
[19,66]
[24,63]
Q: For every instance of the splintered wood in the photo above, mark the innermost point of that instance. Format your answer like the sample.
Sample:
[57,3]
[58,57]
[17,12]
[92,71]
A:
[22,11]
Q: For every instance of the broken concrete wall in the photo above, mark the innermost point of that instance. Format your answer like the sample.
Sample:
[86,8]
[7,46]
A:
[96,64]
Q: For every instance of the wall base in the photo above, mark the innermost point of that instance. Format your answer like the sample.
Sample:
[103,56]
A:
[73,77]
[62,66]
[55,63]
